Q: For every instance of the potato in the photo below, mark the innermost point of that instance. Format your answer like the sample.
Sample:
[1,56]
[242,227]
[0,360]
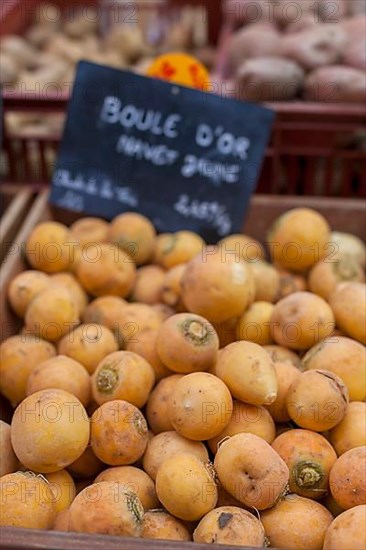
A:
[336,83]
[347,479]
[106,311]
[134,234]
[347,530]
[39,35]
[248,372]
[351,431]
[256,40]
[157,407]
[69,282]
[158,524]
[309,457]
[179,36]
[299,239]
[355,7]
[243,246]
[106,270]
[145,346]
[280,354]
[24,287]
[88,344]
[354,54]
[267,281]
[246,419]
[128,41]
[297,523]
[14,370]
[19,49]
[104,55]
[52,313]
[185,487]
[118,433]
[187,343]
[173,249]
[315,47]
[9,69]
[317,400]
[148,285]
[306,22]
[230,525]
[290,283]
[63,373]
[251,471]
[348,303]
[254,324]
[41,79]
[106,508]
[217,290]
[50,247]
[200,406]
[8,460]
[269,79]
[286,374]
[344,357]
[355,26]
[63,488]
[132,479]
[70,50]
[334,12]
[49,430]
[83,23]
[26,501]
[166,445]
[142,66]
[61,522]
[284,13]
[172,288]
[301,320]
[87,465]
[123,375]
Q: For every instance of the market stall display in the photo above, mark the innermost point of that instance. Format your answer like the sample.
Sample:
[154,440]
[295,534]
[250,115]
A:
[41,61]
[216,372]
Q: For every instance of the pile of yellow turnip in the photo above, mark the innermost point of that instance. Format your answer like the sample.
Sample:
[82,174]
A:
[168,389]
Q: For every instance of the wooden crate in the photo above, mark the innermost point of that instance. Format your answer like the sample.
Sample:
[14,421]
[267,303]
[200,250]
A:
[14,202]
[316,148]
[343,215]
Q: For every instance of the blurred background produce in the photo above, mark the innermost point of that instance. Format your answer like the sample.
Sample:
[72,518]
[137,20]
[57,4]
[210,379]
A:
[281,50]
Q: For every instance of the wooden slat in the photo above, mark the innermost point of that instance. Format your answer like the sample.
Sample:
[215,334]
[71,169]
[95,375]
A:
[23,539]
[13,264]
[12,219]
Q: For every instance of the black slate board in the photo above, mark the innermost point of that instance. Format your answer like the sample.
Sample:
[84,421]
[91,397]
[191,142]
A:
[153,161]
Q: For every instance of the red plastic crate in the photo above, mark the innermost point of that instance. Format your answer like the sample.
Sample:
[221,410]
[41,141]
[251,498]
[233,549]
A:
[315,148]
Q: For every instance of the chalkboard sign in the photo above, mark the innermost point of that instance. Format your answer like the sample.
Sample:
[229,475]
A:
[184,158]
